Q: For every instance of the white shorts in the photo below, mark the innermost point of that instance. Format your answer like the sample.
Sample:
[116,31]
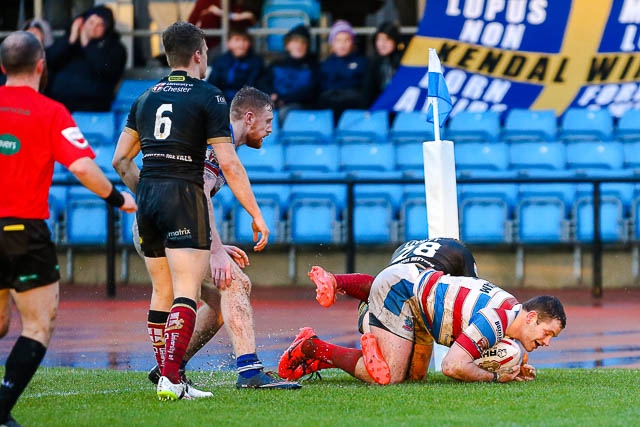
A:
[392,300]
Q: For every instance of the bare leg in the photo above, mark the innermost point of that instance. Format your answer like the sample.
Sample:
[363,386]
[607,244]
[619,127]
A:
[38,309]
[162,292]
[396,352]
[5,312]
[238,314]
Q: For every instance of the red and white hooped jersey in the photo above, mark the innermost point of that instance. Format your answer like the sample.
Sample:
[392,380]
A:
[468,310]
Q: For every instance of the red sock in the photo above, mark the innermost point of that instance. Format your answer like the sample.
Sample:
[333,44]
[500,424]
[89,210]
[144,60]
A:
[355,285]
[156,321]
[335,356]
[178,331]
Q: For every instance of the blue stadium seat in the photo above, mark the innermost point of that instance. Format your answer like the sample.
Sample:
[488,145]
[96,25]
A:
[409,158]
[311,157]
[362,126]
[282,20]
[393,192]
[612,226]
[632,155]
[126,230]
[595,155]
[269,158]
[57,203]
[527,125]
[541,220]
[373,221]
[128,92]
[485,209]
[411,127]
[482,156]
[543,210]
[378,156]
[467,126]
[537,155]
[314,220]
[86,218]
[584,124]
[413,218]
[484,220]
[307,126]
[310,7]
[97,127]
[104,157]
[270,207]
[628,128]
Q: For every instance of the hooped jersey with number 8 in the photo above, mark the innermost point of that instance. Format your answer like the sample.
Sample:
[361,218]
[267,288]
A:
[443,254]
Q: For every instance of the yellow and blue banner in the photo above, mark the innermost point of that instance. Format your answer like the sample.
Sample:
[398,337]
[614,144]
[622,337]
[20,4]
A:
[538,54]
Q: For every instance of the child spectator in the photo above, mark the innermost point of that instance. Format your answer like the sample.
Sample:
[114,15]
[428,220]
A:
[342,73]
[385,61]
[293,80]
[87,64]
[239,66]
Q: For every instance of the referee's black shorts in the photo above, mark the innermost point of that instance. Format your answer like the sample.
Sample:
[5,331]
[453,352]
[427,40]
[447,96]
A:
[28,257]
[172,213]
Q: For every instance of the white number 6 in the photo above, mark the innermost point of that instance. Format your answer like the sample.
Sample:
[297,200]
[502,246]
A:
[162,127]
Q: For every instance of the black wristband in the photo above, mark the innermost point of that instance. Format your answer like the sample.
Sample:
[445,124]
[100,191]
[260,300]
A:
[115,198]
[496,377]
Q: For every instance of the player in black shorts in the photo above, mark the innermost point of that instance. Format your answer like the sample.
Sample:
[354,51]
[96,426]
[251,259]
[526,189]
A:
[443,254]
[172,123]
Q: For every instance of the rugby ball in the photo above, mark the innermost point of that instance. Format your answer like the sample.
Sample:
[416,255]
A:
[506,353]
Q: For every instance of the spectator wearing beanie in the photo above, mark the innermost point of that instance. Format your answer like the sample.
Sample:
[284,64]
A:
[342,73]
[239,66]
[88,63]
[292,81]
[385,61]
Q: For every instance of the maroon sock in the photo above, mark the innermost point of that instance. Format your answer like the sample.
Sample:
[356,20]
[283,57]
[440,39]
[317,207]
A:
[178,331]
[338,357]
[355,285]
[156,321]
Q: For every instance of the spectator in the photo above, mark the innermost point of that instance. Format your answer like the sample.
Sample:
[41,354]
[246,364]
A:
[239,66]
[342,73]
[293,80]
[41,29]
[207,14]
[88,64]
[385,61]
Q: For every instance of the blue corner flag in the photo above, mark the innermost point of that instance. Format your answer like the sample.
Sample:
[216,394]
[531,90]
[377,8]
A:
[437,92]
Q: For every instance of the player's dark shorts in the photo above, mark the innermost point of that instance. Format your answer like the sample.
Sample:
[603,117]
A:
[27,255]
[172,213]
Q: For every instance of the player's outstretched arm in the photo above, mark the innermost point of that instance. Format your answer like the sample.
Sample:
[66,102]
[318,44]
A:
[458,364]
[238,181]
[91,176]
[127,149]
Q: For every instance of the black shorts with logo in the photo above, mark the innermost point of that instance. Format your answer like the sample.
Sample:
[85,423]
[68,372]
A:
[172,213]
[28,257]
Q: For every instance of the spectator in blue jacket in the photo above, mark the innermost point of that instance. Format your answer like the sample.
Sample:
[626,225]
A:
[239,66]
[342,74]
[88,64]
[292,81]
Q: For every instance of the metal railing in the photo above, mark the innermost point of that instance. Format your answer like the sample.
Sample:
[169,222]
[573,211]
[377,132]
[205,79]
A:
[350,244]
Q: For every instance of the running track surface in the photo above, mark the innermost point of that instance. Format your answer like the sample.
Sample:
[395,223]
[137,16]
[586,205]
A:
[95,331]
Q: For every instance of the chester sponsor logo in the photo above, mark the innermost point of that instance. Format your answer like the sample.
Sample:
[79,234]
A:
[9,144]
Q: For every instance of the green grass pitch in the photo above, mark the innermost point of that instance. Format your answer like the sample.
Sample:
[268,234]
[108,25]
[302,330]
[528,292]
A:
[80,397]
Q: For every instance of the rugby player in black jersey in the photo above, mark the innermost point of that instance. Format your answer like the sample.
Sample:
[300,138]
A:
[172,123]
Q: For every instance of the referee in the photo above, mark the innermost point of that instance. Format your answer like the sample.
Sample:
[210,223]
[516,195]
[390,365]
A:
[35,132]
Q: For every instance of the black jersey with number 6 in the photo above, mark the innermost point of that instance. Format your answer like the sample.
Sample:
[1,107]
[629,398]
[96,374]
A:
[175,120]
[443,254]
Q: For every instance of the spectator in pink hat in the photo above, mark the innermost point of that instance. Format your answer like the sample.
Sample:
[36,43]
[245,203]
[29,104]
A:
[342,73]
